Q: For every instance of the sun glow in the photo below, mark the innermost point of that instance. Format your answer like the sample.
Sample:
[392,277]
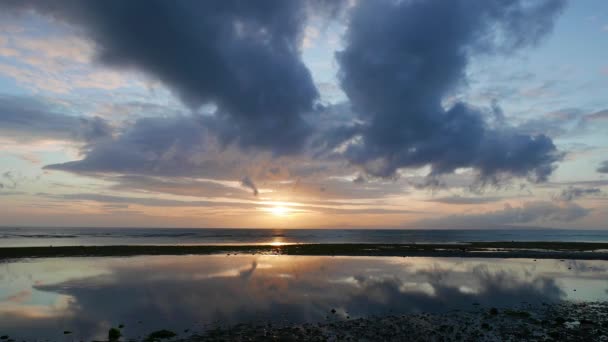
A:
[279,210]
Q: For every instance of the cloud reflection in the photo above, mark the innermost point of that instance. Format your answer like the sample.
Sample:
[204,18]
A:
[192,292]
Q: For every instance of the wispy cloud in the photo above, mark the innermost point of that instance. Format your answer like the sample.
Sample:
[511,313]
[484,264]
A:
[527,213]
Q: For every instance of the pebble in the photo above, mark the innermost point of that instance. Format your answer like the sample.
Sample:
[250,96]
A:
[565,322]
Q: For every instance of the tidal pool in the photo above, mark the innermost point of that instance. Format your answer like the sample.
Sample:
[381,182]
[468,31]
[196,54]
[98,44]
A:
[42,298]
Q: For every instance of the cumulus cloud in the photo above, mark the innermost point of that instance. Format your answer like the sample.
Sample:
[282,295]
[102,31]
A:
[403,58]
[27,119]
[528,212]
[573,193]
[243,57]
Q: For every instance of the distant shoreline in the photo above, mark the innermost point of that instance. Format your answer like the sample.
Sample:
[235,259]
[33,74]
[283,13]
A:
[528,250]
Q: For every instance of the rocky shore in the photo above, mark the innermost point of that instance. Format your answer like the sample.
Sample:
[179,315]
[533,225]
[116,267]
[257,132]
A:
[529,250]
[549,322]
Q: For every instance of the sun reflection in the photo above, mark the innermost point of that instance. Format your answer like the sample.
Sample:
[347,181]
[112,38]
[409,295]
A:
[277,243]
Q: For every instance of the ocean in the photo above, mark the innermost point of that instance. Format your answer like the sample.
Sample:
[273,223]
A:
[21,237]
[74,299]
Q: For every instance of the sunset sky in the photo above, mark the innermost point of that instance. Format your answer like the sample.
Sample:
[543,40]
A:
[304,114]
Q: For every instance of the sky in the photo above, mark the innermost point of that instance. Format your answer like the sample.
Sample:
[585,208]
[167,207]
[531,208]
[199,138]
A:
[304,114]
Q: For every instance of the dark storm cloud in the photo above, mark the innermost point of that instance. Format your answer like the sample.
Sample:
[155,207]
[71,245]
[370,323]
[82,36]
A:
[573,193]
[402,59]
[603,168]
[242,56]
[26,119]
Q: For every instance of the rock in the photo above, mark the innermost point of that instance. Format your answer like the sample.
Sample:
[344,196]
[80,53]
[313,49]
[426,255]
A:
[493,311]
[560,320]
[114,334]
[161,334]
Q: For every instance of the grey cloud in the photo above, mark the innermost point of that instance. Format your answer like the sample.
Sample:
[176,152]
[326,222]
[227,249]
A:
[9,180]
[573,193]
[176,185]
[603,168]
[248,183]
[403,58]
[151,145]
[148,201]
[564,122]
[464,200]
[600,115]
[528,212]
[241,56]
[589,183]
[340,190]
[26,119]
[113,200]
[360,179]
[244,58]
[10,193]
[339,210]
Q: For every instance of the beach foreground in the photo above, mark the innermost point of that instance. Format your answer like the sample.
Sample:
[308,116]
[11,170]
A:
[530,250]
[240,296]
[550,322]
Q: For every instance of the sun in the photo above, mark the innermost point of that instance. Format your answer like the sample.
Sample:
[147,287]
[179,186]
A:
[279,211]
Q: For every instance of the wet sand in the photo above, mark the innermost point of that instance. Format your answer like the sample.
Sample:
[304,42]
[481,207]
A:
[530,250]
[555,322]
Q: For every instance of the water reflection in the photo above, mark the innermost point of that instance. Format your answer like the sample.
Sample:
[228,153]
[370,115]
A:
[42,298]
